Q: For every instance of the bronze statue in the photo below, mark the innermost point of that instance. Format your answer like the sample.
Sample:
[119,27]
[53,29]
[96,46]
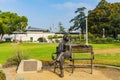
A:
[63,52]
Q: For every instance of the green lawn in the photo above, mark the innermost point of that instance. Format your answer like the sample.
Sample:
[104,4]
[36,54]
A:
[6,50]
[44,51]
[106,46]
[106,58]
[35,51]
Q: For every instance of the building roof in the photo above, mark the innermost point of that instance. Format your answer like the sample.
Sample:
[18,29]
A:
[34,29]
[19,32]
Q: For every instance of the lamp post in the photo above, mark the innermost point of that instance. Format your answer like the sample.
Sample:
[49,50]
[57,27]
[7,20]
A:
[86,31]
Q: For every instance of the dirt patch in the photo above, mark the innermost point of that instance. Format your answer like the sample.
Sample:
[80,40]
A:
[79,74]
[108,51]
[114,74]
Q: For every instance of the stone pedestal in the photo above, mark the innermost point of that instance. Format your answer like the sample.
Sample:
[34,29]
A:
[29,66]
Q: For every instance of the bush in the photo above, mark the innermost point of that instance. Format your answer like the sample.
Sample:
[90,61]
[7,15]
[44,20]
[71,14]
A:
[75,38]
[109,40]
[118,38]
[99,40]
[55,37]
[15,60]
[103,40]
[91,36]
[2,75]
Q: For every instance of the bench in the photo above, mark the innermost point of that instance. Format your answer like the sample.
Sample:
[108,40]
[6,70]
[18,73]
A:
[77,49]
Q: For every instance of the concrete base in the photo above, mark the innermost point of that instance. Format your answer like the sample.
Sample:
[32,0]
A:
[29,66]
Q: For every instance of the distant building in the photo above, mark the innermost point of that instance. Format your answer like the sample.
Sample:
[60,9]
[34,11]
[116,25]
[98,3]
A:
[35,35]
[31,34]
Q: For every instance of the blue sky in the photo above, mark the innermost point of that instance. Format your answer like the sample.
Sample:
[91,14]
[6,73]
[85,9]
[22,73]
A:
[45,13]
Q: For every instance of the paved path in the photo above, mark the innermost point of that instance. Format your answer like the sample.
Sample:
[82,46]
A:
[107,66]
[8,76]
[78,74]
[7,73]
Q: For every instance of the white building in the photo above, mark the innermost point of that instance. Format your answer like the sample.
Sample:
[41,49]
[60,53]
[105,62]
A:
[31,34]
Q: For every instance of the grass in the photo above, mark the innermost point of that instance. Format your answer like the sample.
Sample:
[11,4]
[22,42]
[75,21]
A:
[39,51]
[44,51]
[109,59]
[35,51]
[106,46]
[106,58]
[5,52]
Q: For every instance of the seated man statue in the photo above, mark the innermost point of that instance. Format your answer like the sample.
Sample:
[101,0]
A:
[63,52]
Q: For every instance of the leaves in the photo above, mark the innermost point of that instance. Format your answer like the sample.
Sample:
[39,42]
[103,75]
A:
[10,22]
[61,28]
[105,15]
[79,20]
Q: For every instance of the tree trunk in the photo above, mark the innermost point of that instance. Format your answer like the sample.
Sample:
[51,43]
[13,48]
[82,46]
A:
[82,33]
[1,37]
[115,35]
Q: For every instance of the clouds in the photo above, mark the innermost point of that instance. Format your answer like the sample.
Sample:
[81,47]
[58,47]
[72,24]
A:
[46,12]
[72,5]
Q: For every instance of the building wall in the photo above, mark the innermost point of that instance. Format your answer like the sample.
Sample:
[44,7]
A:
[28,36]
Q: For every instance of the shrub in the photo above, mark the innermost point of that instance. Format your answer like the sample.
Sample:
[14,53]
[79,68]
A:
[2,75]
[109,40]
[50,37]
[75,38]
[118,38]
[55,36]
[15,60]
[103,40]
[99,40]
[91,36]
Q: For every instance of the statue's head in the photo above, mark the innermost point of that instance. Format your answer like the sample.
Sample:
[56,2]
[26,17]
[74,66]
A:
[66,37]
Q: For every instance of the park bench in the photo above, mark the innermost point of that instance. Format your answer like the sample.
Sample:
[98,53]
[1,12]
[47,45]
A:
[77,49]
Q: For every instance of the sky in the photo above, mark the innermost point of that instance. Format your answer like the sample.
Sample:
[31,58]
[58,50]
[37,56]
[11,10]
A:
[46,14]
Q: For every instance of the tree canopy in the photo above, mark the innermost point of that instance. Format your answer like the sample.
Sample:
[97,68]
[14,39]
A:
[61,28]
[10,22]
[106,16]
[79,20]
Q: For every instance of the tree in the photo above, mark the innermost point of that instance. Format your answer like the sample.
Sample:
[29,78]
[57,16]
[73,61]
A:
[22,23]
[99,19]
[102,3]
[79,20]
[61,28]
[10,22]
[105,15]
[115,19]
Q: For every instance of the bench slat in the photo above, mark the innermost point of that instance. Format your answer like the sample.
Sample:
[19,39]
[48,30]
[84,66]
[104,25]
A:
[82,58]
[81,48]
